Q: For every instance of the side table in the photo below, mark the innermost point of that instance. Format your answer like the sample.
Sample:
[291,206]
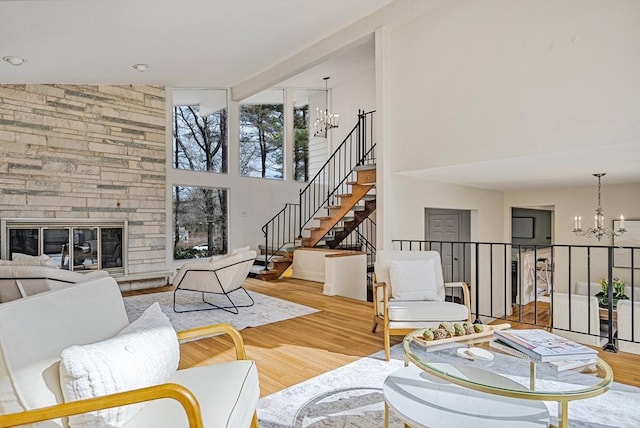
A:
[423,400]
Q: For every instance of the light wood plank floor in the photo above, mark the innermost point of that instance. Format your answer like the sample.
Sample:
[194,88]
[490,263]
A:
[291,351]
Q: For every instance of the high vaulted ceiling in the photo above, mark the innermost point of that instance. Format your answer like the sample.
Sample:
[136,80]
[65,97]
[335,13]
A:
[186,43]
[223,43]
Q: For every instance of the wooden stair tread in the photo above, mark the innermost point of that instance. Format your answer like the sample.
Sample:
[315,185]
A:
[366,167]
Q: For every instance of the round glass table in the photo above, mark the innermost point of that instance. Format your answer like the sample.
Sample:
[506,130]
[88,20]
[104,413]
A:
[505,375]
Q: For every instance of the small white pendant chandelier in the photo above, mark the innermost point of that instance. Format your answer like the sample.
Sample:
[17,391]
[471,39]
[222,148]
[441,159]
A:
[598,230]
[325,120]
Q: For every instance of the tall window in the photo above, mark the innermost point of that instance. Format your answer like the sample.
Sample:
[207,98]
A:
[262,135]
[199,222]
[309,151]
[200,133]
[301,142]
[200,143]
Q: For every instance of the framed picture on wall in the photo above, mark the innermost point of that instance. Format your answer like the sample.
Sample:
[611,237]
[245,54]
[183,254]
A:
[522,227]
[630,238]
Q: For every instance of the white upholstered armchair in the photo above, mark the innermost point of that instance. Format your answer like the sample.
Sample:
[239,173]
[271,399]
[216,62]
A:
[217,275]
[409,293]
[71,351]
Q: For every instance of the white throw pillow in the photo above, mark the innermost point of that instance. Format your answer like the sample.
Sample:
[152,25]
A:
[413,280]
[144,353]
[20,259]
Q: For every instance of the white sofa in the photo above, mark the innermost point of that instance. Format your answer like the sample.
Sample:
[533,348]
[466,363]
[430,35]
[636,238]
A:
[628,323]
[583,288]
[623,324]
[585,326]
[36,330]
[20,279]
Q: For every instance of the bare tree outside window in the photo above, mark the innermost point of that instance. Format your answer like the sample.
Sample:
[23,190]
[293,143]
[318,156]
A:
[199,143]
[262,139]
[199,213]
[301,143]
[200,222]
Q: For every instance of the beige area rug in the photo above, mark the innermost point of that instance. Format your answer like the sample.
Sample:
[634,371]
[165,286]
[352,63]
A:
[351,396]
[266,309]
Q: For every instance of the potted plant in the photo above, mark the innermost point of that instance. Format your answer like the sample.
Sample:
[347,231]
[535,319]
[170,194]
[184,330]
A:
[618,292]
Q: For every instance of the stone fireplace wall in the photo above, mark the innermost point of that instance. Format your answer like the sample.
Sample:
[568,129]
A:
[90,151]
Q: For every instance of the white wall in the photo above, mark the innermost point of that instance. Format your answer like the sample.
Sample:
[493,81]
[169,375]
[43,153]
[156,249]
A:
[410,196]
[347,99]
[571,201]
[483,80]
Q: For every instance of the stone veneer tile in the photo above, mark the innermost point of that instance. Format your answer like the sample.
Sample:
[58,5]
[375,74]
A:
[87,151]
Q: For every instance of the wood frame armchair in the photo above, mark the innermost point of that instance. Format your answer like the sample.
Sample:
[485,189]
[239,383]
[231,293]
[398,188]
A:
[400,317]
[240,376]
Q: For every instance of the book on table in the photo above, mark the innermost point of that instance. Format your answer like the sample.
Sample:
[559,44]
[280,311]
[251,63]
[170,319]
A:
[559,365]
[571,364]
[543,346]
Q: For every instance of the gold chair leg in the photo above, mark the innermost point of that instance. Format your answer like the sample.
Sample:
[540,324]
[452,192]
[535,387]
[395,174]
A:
[386,415]
[375,324]
[387,343]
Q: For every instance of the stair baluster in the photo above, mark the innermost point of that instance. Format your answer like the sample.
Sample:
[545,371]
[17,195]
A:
[333,179]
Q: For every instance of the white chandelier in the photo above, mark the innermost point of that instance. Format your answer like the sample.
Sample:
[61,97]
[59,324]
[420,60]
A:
[325,120]
[598,230]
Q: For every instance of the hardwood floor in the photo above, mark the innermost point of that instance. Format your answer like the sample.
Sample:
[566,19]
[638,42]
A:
[292,351]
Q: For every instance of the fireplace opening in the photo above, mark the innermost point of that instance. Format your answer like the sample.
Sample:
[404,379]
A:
[73,245]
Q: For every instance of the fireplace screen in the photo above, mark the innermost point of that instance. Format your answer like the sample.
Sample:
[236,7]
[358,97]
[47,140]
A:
[72,247]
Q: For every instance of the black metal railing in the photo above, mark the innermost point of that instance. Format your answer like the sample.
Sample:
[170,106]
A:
[280,231]
[362,238]
[356,149]
[339,170]
[551,286]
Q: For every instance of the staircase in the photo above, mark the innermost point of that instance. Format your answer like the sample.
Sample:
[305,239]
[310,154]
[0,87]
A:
[347,202]
[331,207]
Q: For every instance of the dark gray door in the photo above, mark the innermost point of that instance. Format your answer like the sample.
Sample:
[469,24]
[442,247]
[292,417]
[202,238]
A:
[449,226]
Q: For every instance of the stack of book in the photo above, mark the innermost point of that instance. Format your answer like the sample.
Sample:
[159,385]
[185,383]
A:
[542,346]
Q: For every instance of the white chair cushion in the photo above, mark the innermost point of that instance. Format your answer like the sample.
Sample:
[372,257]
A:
[144,353]
[426,311]
[224,392]
[384,258]
[32,371]
[584,316]
[413,280]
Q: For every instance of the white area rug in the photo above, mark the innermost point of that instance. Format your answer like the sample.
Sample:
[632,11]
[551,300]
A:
[266,309]
[351,396]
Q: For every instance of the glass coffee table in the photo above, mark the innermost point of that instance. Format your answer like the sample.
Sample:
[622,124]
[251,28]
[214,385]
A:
[513,389]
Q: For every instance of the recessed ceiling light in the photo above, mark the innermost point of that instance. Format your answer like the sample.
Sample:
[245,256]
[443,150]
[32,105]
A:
[14,60]
[141,67]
